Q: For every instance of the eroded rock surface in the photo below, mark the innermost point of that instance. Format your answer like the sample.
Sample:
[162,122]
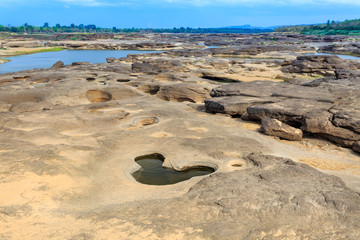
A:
[276,196]
[319,64]
[325,107]
[69,138]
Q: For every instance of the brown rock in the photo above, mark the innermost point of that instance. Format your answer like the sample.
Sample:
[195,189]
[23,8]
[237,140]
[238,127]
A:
[58,64]
[320,123]
[356,146]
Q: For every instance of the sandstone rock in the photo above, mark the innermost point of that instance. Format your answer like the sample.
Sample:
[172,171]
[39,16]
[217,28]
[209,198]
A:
[220,77]
[5,107]
[318,64]
[16,97]
[58,64]
[149,87]
[79,63]
[30,107]
[251,50]
[290,111]
[274,127]
[168,65]
[98,96]
[274,89]
[251,89]
[344,74]
[110,59]
[123,92]
[356,146]
[234,105]
[320,122]
[183,92]
[346,48]
[144,68]
[47,77]
[346,117]
[275,198]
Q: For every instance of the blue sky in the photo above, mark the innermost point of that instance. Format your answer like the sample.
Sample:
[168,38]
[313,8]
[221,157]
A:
[176,13]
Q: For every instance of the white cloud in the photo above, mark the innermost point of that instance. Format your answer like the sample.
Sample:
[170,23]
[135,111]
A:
[269,2]
[90,3]
[97,3]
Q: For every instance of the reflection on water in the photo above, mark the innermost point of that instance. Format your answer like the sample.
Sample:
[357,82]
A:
[47,59]
[152,172]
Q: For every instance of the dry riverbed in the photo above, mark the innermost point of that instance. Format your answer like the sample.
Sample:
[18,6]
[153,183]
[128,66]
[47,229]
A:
[70,137]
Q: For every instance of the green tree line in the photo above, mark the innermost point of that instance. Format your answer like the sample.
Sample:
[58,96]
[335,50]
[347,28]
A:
[347,27]
[72,28]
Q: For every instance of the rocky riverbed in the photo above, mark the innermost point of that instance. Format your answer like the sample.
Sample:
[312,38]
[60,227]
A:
[280,129]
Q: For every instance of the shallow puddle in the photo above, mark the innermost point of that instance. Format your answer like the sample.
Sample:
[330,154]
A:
[152,172]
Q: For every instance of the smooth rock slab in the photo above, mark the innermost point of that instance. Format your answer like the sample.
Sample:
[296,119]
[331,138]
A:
[289,111]
[183,92]
[234,105]
[276,128]
[275,198]
[273,89]
[251,89]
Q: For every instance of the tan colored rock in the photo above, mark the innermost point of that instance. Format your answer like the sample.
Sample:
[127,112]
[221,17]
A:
[274,127]
[95,96]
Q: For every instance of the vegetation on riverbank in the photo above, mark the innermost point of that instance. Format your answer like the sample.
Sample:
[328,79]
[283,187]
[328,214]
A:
[11,52]
[348,27]
[4,60]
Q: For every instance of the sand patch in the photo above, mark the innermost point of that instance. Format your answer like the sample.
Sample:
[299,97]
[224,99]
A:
[328,164]
[161,135]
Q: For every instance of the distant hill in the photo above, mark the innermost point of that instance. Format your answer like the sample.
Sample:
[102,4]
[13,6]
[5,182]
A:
[252,27]
[347,27]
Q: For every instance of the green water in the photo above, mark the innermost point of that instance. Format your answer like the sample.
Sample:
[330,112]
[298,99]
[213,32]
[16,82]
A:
[152,172]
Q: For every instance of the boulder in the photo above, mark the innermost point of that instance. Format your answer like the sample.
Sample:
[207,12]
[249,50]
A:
[58,64]
[356,147]
[274,127]
[110,59]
